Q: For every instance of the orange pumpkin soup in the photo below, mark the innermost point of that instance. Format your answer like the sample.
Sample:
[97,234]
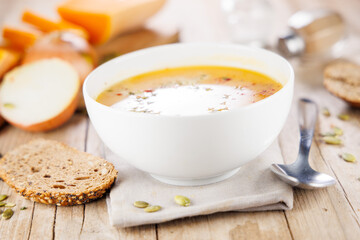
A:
[189,90]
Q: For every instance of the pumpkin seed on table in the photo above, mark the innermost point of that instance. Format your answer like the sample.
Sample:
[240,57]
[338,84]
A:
[141,204]
[154,208]
[337,131]
[326,112]
[7,214]
[182,200]
[332,140]
[3,197]
[328,134]
[344,117]
[348,157]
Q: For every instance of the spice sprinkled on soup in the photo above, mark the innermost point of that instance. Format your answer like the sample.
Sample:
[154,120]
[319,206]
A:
[189,90]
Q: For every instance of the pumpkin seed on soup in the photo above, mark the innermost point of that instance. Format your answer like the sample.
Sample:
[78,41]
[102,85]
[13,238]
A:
[7,214]
[332,140]
[3,197]
[10,205]
[182,200]
[141,204]
[348,157]
[151,209]
[2,204]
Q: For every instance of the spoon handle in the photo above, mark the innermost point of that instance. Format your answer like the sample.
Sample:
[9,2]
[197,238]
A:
[307,113]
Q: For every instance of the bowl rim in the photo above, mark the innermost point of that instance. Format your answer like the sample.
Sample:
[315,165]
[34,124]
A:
[138,53]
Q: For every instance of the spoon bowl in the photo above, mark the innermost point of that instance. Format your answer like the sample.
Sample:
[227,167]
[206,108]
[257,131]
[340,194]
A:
[299,173]
[305,178]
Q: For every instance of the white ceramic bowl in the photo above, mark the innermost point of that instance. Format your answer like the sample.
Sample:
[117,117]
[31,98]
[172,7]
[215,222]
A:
[190,150]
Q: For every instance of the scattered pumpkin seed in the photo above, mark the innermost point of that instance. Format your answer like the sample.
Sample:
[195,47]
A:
[141,204]
[2,204]
[10,205]
[23,208]
[328,134]
[344,117]
[326,112]
[9,105]
[182,200]
[348,157]
[3,197]
[7,214]
[150,209]
[332,140]
[338,131]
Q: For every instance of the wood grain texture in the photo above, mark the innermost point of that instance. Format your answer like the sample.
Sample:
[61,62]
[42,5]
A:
[231,225]
[332,213]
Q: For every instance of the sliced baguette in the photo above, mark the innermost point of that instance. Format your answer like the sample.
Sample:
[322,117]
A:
[40,96]
[342,78]
[51,172]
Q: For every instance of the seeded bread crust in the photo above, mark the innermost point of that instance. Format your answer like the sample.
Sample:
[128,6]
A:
[51,172]
[342,78]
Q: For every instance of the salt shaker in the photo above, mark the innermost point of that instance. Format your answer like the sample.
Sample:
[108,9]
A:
[312,34]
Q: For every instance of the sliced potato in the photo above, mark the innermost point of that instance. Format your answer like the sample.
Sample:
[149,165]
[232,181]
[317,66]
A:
[40,96]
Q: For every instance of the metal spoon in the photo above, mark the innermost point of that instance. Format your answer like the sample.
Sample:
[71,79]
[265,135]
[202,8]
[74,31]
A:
[299,173]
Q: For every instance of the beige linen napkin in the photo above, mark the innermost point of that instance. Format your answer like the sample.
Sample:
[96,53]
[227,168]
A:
[253,188]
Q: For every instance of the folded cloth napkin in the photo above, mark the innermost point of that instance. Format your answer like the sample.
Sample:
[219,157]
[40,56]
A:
[253,188]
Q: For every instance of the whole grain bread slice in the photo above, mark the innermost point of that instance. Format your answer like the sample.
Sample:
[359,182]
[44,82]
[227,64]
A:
[342,78]
[51,172]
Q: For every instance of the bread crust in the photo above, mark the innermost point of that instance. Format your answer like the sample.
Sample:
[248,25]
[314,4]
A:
[54,196]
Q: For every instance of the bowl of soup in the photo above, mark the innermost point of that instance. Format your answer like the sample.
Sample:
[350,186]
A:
[190,114]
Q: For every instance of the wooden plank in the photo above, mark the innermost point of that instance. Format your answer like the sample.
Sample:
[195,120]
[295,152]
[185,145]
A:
[96,220]
[233,225]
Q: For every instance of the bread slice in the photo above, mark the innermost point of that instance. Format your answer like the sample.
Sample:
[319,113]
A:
[51,172]
[342,78]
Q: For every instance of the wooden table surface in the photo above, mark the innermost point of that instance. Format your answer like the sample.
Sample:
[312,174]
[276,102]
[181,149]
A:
[332,213]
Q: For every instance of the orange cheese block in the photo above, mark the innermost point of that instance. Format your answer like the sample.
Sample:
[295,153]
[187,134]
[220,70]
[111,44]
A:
[107,18]
[20,38]
[8,60]
[47,25]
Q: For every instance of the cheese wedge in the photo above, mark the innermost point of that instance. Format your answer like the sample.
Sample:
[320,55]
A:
[47,25]
[40,96]
[108,18]
[20,38]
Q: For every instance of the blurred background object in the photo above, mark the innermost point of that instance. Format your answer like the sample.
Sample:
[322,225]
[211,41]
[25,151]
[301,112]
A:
[314,33]
[249,22]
